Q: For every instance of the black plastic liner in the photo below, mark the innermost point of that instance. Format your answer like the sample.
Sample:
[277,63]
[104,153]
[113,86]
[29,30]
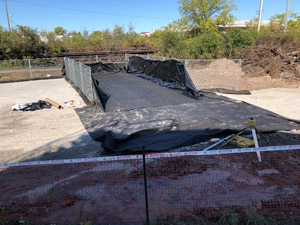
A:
[169,73]
[115,89]
[41,104]
[225,91]
[141,113]
[172,126]
[100,67]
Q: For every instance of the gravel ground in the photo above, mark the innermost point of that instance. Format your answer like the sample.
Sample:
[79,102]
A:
[45,134]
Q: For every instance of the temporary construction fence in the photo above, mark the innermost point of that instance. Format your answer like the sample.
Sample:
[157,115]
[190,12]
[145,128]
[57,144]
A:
[166,186]
[81,76]
[208,73]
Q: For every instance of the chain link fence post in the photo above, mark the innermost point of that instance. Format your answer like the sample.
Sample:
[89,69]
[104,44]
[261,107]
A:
[30,69]
[145,187]
[239,75]
[81,78]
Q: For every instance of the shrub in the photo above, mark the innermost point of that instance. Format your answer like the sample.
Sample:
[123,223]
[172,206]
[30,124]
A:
[236,39]
[205,45]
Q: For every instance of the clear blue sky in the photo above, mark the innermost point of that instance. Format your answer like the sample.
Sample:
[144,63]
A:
[143,15]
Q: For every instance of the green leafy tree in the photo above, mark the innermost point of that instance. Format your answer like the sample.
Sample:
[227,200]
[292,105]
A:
[171,44]
[277,22]
[206,45]
[237,39]
[96,38]
[23,42]
[59,31]
[206,15]
[54,45]
[118,36]
[107,40]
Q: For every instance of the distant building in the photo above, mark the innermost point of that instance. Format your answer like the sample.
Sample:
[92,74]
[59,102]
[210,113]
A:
[245,23]
[44,38]
[146,34]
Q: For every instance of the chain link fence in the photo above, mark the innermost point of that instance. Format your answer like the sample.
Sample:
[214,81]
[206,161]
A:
[113,190]
[208,73]
[15,69]
[205,74]
[29,69]
[81,77]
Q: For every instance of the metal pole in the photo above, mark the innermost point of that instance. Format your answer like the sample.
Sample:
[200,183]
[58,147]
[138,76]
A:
[239,75]
[259,17]
[7,16]
[81,78]
[30,70]
[286,15]
[10,21]
[145,186]
[256,143]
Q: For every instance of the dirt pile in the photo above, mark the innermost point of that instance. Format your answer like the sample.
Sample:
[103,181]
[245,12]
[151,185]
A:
[260,61]
[224,65]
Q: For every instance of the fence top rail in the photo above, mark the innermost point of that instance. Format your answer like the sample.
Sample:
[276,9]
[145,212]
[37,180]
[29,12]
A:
[153,156]
[211,60]
[205,70]
[187,60]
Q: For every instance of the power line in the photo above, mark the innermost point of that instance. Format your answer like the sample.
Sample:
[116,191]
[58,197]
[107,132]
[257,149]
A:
[94,12]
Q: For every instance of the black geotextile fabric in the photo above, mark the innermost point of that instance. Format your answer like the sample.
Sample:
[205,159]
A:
[171,126]
[169,73]
[225,91]
[123,91]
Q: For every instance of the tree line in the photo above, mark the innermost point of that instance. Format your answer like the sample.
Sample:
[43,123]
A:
[203,31]
[24,42]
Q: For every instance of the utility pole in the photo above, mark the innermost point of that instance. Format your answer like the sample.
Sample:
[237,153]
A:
[286,15]
[10,22]
[259,17]
[7,16]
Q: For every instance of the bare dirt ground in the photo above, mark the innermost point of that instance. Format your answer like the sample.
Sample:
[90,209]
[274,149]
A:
[44,134]
[266,82]
[226,73]
[178,187]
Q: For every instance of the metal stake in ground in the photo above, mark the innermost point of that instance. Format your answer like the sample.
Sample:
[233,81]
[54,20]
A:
[146,187]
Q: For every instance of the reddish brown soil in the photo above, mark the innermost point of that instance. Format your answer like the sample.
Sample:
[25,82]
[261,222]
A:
[112,192]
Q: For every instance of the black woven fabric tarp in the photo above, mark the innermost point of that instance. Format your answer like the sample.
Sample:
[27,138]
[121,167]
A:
[172,126]
[141,113]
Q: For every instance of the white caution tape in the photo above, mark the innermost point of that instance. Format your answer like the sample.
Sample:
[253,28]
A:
[153,156]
